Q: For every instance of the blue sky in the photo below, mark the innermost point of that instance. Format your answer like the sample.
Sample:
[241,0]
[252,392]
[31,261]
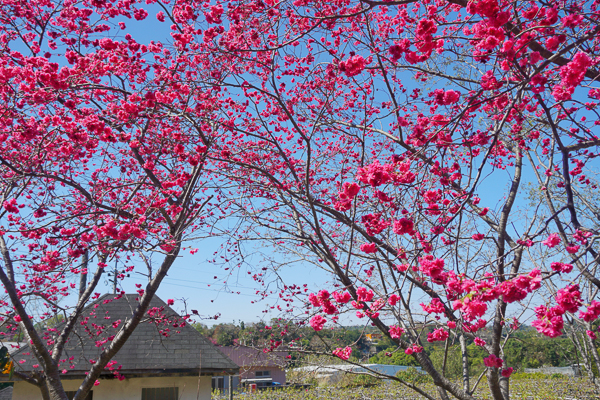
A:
[192,277]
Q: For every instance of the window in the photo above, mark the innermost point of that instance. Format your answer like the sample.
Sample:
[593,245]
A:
[218,383]
[71,394]
[164,393]
[263,373]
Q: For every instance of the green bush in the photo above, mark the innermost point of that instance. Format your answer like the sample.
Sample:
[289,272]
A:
[360,380]
[535,376]
[365,381]
[413,376]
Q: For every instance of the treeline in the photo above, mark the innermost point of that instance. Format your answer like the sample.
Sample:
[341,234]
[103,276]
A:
[262,334]
[525,348]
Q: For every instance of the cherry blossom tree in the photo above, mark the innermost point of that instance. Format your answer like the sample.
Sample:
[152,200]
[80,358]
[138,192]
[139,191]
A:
[103,159]
[390,143]
[394,145]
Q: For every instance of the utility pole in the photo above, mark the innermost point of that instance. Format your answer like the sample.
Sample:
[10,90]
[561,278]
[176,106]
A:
[115,278]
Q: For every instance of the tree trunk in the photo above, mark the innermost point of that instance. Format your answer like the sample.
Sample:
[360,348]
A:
[592,349]
[465,362]
[584,353]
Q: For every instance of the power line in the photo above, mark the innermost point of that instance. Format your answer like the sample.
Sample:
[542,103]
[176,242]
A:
[213,290]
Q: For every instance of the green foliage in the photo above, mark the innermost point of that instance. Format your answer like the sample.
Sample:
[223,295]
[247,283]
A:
[4,357]
[256,334]
[413,376]
[537,376]
[530,350]
[361,380]
[525,349]
[397,357]
[538,389]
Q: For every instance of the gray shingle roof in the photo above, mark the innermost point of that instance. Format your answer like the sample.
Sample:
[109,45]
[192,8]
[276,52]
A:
[6,393]
[157,346]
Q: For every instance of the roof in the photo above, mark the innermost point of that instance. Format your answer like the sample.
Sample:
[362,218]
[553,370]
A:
[6,393]
[12,347]
[162,343]
[250,357]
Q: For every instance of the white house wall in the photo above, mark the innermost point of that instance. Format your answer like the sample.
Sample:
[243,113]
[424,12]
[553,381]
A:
[128,389]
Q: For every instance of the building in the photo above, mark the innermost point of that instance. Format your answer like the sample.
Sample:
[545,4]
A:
[6,393]
[373,337]
[165,358]
[265,369]
[574,370]
[333,373]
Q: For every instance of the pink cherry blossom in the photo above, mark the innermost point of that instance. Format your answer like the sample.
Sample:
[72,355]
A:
[353,65]
[561,267]
[438,335]
[317,322]
[492,361]
[369,248]
[552,240]
[395,332]
[344,353]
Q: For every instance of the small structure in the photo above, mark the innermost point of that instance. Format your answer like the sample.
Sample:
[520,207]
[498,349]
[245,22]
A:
[574,370]
[165,358]
[333,373]
[265,369]
[6,393]
[373,337]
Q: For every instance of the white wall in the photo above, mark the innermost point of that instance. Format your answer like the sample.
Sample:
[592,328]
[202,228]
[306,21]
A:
[128,389]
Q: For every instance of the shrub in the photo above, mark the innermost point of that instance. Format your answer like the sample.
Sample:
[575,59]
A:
[353,380]
[411,375]
[535,376]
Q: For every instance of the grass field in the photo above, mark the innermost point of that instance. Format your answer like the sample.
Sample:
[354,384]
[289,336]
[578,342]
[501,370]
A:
[528,389]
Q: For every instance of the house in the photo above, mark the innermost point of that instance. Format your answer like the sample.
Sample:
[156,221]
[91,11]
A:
[256,367]
[165,358]
[374,337]
[6,393]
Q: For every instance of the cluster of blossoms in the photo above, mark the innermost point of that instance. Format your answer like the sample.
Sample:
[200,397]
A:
[571,75]
[322,300]
[376,174]
[413,349]
[561,267]
[549,321]
[438,335]
[342,298]
[368,248]
[344,353]
[404,226]
[445,97]
[346,195]
[374,224]
[492,361]
[552,240]
[435,307]
[353,65]
[395,332]
[317,322]
[592,312]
